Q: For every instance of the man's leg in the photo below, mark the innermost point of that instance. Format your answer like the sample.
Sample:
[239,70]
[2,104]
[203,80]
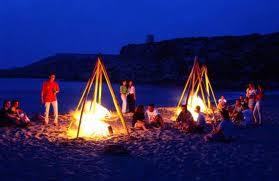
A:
[55,111]
[255,112]
[47,105]
[260,113]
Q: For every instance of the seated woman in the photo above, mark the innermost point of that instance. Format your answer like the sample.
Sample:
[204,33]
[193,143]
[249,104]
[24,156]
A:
[201,123]
[7,119]
[242,100]
[17,112]
[185,120]
[224,131]
[138,118]
[236,114]
[222,103]
[154,117]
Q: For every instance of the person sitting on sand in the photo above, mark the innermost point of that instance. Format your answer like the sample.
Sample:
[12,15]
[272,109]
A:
[242,101]
[201,123]
[246,100]
[236,114]
[224,131]
[154,117]
[222,103]
[138,118]
[7,119]
[17,112]
[247,117]
[185,120]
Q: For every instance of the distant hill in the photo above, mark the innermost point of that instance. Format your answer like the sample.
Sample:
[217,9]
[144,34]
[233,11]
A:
[232,61]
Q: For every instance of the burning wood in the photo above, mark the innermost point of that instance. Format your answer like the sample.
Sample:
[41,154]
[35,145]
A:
[89,116]
[198,91]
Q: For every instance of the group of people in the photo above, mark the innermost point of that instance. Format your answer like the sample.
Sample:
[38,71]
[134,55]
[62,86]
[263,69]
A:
[150,118]
[247,110]
[128,96]
[12,114]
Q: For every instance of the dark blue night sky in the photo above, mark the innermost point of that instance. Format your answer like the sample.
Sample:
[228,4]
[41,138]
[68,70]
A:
[33,29]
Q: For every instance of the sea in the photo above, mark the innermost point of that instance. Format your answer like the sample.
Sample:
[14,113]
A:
[27,91]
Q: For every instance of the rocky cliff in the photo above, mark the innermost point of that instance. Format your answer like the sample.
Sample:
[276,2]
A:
[232,61]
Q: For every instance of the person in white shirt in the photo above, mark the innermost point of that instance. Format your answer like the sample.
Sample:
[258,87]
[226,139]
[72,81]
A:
[131,98]
[222,103]
[154,117]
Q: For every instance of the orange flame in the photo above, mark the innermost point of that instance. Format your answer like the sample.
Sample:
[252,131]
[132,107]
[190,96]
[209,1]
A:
[92,123]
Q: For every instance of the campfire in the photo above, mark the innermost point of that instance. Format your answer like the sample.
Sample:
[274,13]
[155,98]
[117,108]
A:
[92,123]
[89,118]
[197,91]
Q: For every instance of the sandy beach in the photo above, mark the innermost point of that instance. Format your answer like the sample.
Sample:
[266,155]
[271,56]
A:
[44,153]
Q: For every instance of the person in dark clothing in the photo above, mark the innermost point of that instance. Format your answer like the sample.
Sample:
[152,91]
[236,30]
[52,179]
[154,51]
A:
[236,114]
[131,97]
[6,118]
[138,118]
[185,120]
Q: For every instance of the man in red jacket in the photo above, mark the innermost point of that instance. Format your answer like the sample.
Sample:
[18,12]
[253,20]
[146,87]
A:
[48,95]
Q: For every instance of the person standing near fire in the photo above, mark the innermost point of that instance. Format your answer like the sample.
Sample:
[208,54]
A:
[49,91]
[123,94]
[131,97]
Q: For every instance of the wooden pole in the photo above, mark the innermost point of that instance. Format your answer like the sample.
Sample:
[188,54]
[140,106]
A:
[82,109]
[100,87]
[96,86]
[114,99]
[89,84]
[200,84]
[185,87]
[213,95]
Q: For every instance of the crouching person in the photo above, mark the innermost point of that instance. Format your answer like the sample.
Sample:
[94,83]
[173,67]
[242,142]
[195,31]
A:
[224,131]
[154,117]
[139,118]
[185,120]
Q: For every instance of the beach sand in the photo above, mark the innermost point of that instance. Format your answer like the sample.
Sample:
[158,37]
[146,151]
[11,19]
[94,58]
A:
[44,153]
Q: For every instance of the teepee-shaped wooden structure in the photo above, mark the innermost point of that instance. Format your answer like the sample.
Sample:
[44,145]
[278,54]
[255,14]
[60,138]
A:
[198,84]
[96,78]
